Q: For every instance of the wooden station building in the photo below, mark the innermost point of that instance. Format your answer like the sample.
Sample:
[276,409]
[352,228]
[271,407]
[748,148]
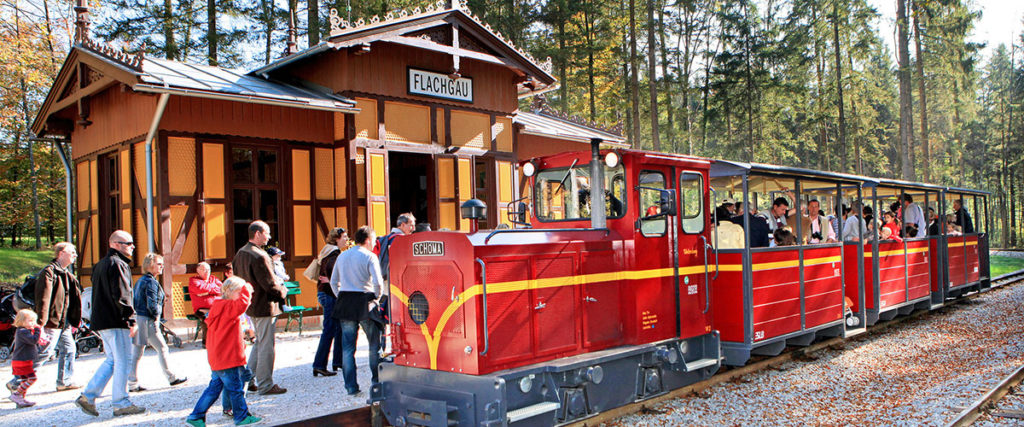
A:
[414,112]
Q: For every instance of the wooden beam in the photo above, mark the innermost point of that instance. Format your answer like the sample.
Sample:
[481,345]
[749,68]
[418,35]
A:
[92,88]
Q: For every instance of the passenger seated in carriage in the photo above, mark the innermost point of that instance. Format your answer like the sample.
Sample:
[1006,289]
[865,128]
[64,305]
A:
[784,236]
[728,235]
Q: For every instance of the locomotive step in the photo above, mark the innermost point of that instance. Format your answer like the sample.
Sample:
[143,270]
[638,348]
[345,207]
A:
[531,411]
[699,364]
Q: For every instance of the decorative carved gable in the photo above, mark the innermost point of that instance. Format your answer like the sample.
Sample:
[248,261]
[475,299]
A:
[69,88]
[441,35]
[469,42]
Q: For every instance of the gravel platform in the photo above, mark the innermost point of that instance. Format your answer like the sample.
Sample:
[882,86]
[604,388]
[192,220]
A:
[920,373]
[165,405]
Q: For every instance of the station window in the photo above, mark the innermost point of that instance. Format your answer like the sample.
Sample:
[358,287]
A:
[255,191]
[691,201]
[650,196]
[564,193]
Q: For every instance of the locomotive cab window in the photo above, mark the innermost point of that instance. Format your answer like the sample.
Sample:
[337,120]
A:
[691,202]
[648,190]
[563,194]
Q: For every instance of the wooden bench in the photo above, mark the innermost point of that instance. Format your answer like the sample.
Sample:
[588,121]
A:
[191,316]
[295,312]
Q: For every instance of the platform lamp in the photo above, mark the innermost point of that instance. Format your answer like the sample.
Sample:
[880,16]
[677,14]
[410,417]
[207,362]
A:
[473,210]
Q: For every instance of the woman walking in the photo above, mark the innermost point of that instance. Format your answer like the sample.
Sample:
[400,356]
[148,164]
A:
[149,303]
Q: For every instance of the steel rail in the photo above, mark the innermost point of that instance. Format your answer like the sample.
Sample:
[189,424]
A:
[988,400]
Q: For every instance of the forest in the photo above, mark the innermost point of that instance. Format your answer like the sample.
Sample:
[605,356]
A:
[807,83]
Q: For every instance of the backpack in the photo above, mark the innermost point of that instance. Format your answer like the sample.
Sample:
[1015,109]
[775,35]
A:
[384,244]
[25,295]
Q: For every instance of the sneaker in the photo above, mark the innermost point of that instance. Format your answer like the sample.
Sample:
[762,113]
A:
[179,380]
[250,420]
[12,385]
[68,387]
[129,410]
[136,389]
[87,406]
[196,423]
[21,401]
[228,413]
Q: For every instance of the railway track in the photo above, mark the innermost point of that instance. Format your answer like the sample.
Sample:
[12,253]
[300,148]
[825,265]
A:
[989,400]
[365,415]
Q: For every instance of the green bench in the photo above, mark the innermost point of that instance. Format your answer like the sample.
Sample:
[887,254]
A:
[295,312]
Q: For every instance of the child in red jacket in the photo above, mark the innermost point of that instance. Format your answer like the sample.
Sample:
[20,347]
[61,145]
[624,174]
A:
[224,352]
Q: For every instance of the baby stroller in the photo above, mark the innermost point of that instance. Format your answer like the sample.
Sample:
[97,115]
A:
[7,328]
[86,339]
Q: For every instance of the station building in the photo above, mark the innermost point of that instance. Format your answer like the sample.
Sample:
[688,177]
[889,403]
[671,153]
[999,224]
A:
[414,112]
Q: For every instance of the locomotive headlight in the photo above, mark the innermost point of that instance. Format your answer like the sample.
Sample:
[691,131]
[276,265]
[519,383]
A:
[529,169]
[526,383]
[611,159]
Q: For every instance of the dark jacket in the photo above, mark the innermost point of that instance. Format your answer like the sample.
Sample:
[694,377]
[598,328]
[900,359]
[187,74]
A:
[326,268]
[253,264]
[963,219]
[58,297]
[758,230]
[112,293]
[149,297]
[26,344]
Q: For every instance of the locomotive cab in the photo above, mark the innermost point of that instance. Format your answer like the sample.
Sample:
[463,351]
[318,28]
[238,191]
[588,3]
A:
[582,308]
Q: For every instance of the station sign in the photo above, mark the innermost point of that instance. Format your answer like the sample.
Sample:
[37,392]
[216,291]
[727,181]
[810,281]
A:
[439,85]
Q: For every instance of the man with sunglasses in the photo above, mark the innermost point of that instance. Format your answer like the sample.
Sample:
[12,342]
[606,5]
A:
[113,317]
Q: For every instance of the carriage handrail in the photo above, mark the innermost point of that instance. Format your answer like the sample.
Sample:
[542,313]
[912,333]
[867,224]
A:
[483,282]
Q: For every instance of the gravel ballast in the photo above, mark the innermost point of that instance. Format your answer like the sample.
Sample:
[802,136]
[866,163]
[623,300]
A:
[165,405]
[920,373]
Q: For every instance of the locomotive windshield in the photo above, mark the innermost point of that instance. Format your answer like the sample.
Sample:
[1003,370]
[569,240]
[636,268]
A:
[562,194]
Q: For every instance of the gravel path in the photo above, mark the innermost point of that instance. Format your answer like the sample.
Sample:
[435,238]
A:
[307,396]
[920,373]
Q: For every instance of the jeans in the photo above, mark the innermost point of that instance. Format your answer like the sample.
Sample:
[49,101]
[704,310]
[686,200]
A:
[117,344]
[66,350]
[330,334]
[226,380]
[245,375]
[349,334]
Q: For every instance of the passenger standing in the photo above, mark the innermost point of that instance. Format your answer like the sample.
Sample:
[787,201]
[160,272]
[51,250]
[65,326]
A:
[815,228]
[404,225]
[58,298]
[203,288]
[327,297]
[113,317]
[357,278]
[853,226]
[226,356]
[149,305]
[963,218]
[913,214]
[253,265]
[933,226]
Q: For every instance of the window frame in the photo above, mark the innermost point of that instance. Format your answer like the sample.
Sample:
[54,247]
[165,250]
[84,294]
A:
[640,218]
[703,196]
[623,200]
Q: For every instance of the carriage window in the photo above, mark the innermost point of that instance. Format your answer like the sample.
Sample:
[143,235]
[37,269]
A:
[564,194]
[650,183]
[691,202]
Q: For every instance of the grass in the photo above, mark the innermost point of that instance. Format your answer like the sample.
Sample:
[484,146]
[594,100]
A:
[16,263]
[1001,265]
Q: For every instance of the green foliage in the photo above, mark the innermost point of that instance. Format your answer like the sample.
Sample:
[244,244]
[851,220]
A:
[1000,265]
[15,264]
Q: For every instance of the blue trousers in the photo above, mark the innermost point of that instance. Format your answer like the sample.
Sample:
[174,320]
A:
[331,334]
[349,334]
[230,380]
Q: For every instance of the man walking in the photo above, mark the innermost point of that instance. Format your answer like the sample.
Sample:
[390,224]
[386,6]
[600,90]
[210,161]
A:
[113,317]
[58,300]
[252,264]
[357,280]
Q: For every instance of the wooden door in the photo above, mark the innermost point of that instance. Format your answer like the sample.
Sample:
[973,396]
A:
[377,190]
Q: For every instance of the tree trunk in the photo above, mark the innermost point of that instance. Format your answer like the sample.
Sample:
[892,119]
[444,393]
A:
[170,48]
[906,102]
[652,76]
[819,66]
[591,89]
[670,126]
[925,171]
[857,139]
[839,86]
[634,65]
[563,74]
[211,31]
[49,37]
[706,89]
[313,22]
[268,12]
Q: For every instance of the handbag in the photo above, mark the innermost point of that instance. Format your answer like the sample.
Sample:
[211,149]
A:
[312,272]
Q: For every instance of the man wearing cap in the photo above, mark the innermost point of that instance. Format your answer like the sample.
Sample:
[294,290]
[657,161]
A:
[729,204]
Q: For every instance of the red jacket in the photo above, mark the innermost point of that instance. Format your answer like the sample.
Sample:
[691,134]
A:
[197,287]
[224,335]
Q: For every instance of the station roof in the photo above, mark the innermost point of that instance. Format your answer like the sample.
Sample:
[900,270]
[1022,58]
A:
[541,124]
[425,28]
[91,68]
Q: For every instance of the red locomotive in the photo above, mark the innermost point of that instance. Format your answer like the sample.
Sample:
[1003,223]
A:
[597,305]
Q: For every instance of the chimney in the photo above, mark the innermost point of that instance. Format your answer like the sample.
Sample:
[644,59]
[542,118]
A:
[81,21]
[292,45]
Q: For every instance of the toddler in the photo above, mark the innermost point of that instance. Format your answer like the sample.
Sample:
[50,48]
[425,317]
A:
[27,341]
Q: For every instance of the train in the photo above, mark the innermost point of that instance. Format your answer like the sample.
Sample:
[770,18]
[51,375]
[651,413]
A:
[583,307]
